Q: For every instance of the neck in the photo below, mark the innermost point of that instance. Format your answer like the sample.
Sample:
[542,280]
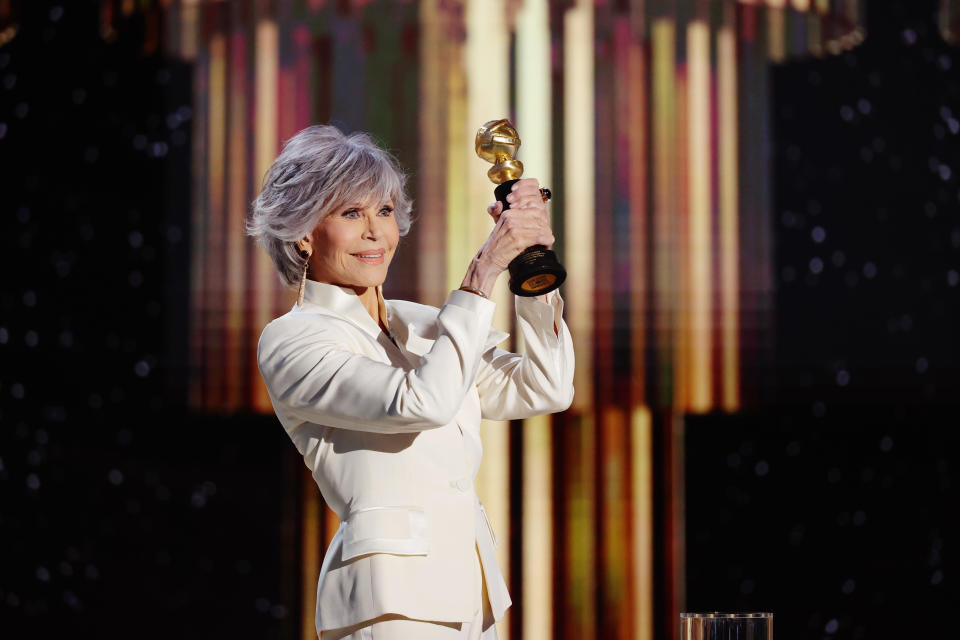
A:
[368,296]
[371,302]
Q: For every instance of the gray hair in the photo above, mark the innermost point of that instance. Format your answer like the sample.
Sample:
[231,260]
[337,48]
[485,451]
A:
[319,170]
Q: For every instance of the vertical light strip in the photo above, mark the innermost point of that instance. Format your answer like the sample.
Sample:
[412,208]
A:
[287,88]
[236,242]
[615,543]
[578,185]
[750,63]
[536,593]
[331,522]
[459,251]
[851,9]
[663,44]
[213,277]
[641,482]
[640,473]
[310,558]
[189,34]
[301,74]
[678,540]
[609,210]
[578,554]
[680,243]
[946,17]
[264,278]
[815,34]
[761,131]
[169,28]
[151,30]
[639,138]
[432,117]
[535,127]
[198,225]
[533,90]
[699,238]
[729,209]
[486,58]
[776,31]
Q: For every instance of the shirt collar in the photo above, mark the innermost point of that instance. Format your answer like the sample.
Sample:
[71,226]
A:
[345,302]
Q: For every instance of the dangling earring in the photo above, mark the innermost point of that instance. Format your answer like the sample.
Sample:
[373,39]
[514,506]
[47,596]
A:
[303,278]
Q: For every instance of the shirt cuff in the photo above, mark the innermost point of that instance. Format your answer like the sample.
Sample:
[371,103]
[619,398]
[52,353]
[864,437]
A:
[471,302]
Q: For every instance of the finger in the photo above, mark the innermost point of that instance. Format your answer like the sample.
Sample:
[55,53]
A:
[532,201]
[526,184]
[529,222]
[533,208]
[528,216]
[522,199]
[524,195]
[528,189]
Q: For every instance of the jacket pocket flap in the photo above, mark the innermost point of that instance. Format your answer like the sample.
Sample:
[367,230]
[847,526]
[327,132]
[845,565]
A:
[400,530]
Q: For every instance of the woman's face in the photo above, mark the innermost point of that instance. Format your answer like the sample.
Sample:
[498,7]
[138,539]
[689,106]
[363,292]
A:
[354,244]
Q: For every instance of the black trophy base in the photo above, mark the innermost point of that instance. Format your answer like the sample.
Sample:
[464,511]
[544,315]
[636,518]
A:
[536,271]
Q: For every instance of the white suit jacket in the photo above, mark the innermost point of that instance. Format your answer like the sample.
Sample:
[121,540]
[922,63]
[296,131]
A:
[390,432]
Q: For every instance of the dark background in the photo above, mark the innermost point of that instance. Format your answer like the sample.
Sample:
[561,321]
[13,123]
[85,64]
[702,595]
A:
[123,514]
[837,508]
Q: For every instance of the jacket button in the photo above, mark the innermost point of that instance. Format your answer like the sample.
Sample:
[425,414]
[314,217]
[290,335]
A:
[463,484]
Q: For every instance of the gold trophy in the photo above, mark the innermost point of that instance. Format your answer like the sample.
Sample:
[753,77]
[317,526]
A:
[535,271]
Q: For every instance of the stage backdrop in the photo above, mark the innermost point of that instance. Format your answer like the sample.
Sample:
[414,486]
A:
[649,120]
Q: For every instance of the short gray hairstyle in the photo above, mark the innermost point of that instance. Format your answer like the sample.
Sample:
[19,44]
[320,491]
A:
[319,170]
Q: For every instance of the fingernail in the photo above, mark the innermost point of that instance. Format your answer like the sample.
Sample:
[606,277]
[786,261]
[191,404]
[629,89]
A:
[514,187]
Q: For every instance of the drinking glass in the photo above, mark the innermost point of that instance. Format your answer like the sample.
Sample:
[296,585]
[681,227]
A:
[726,626]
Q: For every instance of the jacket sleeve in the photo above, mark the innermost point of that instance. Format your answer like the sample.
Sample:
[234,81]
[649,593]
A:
[311,376]
[513,386]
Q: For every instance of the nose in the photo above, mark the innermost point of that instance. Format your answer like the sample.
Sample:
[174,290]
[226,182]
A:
[373,228]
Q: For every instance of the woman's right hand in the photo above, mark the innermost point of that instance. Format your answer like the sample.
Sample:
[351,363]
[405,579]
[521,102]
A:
[525,224]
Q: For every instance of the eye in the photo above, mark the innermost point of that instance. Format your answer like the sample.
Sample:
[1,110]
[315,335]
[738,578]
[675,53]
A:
[386,211]
[350,213]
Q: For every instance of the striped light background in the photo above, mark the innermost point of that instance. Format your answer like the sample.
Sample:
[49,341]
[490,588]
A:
[649,120]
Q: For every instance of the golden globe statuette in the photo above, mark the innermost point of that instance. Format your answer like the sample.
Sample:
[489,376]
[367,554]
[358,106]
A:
[535,271]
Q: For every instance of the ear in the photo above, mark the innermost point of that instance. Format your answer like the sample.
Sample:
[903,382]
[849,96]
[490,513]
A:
[305,246]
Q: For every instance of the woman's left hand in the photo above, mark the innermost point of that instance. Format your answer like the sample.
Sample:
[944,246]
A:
[524,196]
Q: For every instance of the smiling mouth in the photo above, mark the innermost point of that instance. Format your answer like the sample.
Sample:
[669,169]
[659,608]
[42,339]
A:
[369,257]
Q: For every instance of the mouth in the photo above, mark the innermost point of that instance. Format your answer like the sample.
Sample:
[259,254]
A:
[370,257]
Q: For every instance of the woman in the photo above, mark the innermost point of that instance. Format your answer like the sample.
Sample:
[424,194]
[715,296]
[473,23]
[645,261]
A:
[383,398]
